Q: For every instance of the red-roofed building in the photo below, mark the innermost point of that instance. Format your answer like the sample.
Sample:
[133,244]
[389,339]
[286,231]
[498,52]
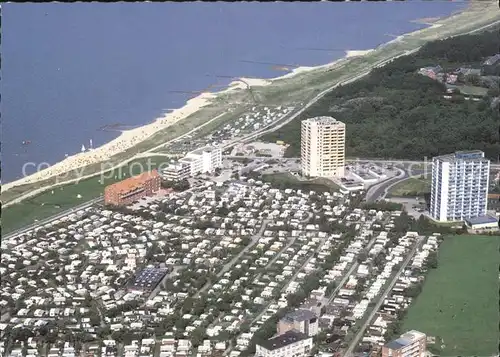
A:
[132,189]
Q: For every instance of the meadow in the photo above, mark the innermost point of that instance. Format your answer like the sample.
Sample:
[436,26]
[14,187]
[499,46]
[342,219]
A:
[59,199]
[459,301]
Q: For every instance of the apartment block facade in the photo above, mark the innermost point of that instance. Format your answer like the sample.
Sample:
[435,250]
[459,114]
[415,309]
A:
[301,320]
[132,189]
[411,344]
[459,189]
[322,147]
[195,162]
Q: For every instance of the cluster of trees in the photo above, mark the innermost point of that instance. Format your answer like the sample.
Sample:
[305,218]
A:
[382,206]
[181,185]
[423,226]
[397,113]
[282,183]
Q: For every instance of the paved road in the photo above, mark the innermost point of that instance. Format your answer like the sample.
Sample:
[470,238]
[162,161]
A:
[405,163]
[290,118]
[233,261]
[359,335]
[381,190]
[51,219]
[378,190]
[294,276]
[346,276]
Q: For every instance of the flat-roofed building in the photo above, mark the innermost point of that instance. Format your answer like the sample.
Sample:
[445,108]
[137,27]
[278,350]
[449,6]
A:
[147,279]
[291,343]
[460,183]
[301,320]
[176,171]
[482,223]
[203,160]
[322,147]
[410,344]
[132,189]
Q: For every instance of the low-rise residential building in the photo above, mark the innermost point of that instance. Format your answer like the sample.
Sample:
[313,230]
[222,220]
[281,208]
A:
[204,160]
[291,343]
[410,344]
[176,171]
[301,320]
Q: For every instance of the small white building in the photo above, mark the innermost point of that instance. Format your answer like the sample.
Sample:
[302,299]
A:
[482,223]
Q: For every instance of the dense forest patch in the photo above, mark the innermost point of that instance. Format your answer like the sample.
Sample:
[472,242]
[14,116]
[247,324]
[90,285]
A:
[394,112]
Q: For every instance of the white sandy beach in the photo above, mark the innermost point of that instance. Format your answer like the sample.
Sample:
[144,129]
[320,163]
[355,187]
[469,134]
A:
[130,138]
[126,140]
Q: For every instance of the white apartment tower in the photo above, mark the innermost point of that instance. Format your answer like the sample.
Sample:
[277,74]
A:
[459,188]
[322,147]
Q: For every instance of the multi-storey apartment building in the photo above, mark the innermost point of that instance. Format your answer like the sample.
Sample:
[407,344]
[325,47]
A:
[176,171]
[410,344]
[291,343]
[203,160]
[195,162]
[132,189]
[302,320]
[459,188]
[322,147]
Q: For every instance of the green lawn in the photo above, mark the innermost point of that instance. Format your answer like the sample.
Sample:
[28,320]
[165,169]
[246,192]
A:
[62,198]
[286,180]
[412,186]
[459,300]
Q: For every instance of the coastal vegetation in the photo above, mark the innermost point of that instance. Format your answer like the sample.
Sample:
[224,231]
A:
[287,180]
[65,197]
[458,305]
[397,113]
[295,91]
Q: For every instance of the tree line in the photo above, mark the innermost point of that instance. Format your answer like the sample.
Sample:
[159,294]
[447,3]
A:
[397,113]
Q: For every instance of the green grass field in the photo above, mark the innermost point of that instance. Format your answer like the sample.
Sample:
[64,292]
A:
[459,300]
[65,197]
[287,180]
[411,186]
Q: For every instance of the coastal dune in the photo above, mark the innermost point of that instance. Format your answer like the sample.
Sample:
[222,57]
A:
[126,140]
[132,137]
[129,138]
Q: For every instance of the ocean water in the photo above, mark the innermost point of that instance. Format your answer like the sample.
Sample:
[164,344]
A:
[69,69]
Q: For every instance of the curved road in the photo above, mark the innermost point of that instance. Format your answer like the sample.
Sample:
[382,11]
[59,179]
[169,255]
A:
[380,191]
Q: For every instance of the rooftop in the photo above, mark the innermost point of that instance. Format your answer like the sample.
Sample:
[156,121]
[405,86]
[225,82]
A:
[462,155]
[324,120]
[149,278]
[395,345]
[413,335]
[300,315]
[481,220]
[405,340]
[492,60]
[283,340]
[133,182]
[202,150]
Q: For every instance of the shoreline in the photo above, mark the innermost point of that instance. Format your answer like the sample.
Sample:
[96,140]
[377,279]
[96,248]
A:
[128,138]
[131,137]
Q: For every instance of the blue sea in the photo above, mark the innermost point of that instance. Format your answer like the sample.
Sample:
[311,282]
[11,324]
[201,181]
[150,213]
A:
[69,69]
